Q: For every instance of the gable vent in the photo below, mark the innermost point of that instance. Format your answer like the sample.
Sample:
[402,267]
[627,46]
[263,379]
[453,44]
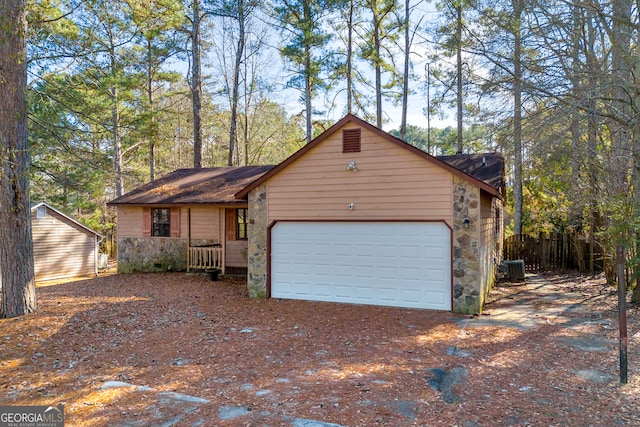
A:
[351,141]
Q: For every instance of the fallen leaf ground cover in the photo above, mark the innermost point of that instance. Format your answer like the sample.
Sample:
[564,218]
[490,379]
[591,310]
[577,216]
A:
[345,364]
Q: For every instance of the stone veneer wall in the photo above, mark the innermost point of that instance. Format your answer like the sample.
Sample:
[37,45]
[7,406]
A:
[151,254]
[466,248]
[257,250]
[490,246]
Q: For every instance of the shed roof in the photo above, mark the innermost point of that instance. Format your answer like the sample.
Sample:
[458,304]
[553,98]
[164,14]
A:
[194,186]
[466,165]
[36,205]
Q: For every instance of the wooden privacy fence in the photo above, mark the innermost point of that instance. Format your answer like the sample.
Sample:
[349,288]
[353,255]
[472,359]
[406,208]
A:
[553,251]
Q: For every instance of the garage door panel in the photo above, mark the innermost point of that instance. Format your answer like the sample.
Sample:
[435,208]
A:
[436,299]
[410,251]
[322,269]
[343,292]
[435,254]
[341,249]
[409,274]
[323,249]
[386,273]
[410,296]
[388,296]
[324,290]
[383,263]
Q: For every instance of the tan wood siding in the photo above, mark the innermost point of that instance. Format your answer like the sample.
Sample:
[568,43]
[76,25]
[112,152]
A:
[236,253]
[205,223]
[390,183]
[135,221]
[130,221]
[61,248]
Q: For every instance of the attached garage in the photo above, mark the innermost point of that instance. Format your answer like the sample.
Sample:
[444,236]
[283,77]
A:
[359,216]
[400,264]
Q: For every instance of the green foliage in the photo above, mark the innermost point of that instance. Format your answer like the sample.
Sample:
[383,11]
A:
[103,83]
[305,37]
[622,229]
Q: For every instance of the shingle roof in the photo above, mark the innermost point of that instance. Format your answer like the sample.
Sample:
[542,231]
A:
[194,186]
[487,167]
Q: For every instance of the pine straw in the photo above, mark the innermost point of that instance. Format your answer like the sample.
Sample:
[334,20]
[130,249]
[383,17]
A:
[347,364]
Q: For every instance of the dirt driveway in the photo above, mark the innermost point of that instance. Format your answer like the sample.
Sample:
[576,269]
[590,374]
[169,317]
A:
[177,349]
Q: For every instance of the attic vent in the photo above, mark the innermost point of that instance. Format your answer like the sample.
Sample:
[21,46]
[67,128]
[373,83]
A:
[351,141]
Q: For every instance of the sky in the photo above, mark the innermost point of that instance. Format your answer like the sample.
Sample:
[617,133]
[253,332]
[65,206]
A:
[392,114]
[290,98]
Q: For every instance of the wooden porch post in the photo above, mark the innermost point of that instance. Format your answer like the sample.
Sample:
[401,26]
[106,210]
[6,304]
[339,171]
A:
[188,240]
[223,241]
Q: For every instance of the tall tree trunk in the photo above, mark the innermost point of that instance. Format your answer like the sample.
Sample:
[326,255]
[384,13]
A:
[593,124]
[16,249]
[196,85]
[635,123]
[307,78]
[245,136]
[428,70]
[115,123]
[378,74]
[635,296]
[233,128]
[152,125]
[405,82]
[117,143]
[622,88]
[350,59]
[517,116]
[459,76]
[577,151]
[307,98]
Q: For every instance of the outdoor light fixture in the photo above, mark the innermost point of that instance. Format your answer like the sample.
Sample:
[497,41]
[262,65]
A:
[466,222]
[351,166]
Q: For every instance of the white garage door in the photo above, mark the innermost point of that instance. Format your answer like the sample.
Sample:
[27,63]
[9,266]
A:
[400,264]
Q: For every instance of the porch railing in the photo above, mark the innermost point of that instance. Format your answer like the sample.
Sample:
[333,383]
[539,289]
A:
[205,257]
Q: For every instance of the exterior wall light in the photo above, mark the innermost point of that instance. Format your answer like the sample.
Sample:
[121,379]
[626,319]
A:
[466,222]
[351,166]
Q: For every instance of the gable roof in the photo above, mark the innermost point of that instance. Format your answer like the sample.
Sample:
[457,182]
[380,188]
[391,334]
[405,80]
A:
[491,185]
[35,206]
[194,186]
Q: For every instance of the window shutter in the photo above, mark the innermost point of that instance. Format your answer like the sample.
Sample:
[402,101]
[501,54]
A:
[174,224]
[146,222]
[351,141]
[231,218]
